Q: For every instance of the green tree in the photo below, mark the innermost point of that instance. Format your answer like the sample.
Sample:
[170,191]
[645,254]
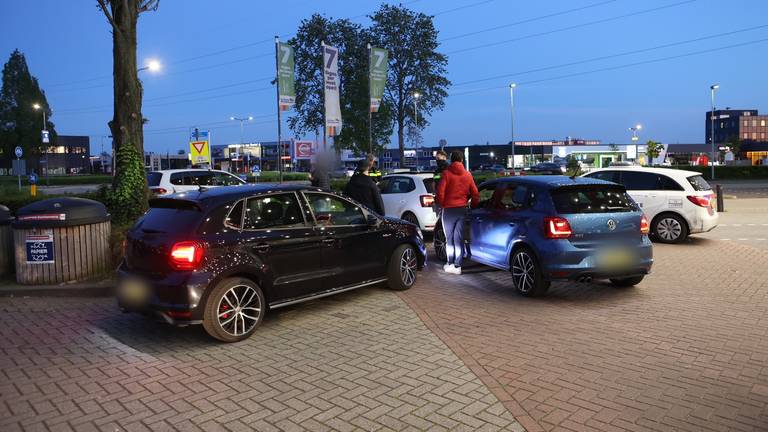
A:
[127,125]
[351,40]
[415,66]
[20,122]
[572,166]
[652,150]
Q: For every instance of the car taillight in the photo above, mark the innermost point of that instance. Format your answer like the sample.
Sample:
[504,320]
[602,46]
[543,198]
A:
[186,255]
[644,227]
[427,200]
[158,191]
[701,201]
[557,228]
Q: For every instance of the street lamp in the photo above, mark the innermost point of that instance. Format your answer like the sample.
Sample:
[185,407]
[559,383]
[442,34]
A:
[712,89]
[635,138]
[242,120]
[153,65]
[43,139]
[512,121]
[416,96]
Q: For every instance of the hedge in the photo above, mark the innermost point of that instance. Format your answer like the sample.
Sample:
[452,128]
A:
[58,180]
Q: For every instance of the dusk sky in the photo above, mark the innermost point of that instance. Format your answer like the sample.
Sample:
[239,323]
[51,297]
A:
[218,61]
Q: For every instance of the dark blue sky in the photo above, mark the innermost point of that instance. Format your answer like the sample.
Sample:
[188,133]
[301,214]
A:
[68,47]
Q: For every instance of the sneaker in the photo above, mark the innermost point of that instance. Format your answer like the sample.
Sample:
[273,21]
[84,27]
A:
[454,270]
[446,267]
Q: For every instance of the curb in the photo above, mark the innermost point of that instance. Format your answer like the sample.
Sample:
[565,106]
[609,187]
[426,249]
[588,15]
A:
[93,288]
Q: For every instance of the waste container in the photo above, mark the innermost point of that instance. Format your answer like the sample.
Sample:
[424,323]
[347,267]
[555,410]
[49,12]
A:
[61,240]
[6,241]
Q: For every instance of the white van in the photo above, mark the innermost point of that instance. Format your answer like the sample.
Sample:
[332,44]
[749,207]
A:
[676,202]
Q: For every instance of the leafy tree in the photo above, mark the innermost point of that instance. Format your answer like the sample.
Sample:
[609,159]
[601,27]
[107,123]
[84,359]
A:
[652,150]
[351,40]
[572,166]
[129,186]
[414,66]
[20,122]
[735,143]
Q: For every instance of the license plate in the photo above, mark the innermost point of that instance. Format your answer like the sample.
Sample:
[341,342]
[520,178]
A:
[615,259]
[133,291]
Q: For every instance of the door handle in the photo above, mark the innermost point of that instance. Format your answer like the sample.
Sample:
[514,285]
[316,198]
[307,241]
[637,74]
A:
[262,247]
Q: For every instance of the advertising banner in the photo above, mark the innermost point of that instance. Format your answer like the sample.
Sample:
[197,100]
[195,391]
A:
[304,149]
[331,88]
[378,63]
[285,75]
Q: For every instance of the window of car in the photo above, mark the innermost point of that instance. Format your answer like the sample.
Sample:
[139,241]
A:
[486,194]
[611,176]
[399,185]
[592,199]
[234,218]
[154,178]
[429,185]
[668,184]
[635,180]
[698,183]
[226,179]
[192,178]
[514,197]
[330,210]
[273,211]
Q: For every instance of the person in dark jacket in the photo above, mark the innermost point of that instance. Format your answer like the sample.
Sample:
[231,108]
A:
[363,189]
[454,192]
[318,175]
[441,158]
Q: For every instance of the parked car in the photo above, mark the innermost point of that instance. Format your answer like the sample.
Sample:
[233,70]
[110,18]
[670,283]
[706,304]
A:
[548,168]
[224,257]
[410,197]
[677,202]
[341,173]
[167,182]
[545,228]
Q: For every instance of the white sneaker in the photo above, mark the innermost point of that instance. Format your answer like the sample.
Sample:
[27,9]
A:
[454,270]
[447,266]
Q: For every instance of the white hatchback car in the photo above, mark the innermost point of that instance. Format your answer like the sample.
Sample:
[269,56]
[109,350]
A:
[677,202]
[410,197]
[179,180]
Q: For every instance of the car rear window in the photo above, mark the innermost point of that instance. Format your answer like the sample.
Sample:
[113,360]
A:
[429,184]
[592,199]
[165,217]
[698,183]
[153,178]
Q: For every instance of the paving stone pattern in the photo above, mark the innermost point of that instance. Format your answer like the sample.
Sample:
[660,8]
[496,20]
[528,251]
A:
[357,361]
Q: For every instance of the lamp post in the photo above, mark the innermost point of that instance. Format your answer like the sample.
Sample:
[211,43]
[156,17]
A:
[512,121]
[37,106]
[712,89]
[635,138]
[242,121]
[153,65]
[416,96]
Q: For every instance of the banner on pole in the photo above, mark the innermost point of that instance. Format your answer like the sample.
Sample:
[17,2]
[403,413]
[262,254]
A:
[331,87]
[285,76]
[378,75]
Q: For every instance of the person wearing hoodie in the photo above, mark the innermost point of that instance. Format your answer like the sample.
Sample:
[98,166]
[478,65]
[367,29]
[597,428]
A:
[455,191]
[363,189]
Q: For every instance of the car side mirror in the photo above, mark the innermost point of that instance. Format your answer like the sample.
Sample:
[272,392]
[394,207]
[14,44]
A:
[372,220]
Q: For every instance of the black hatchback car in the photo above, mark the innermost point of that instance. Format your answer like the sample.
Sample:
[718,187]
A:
[223,257]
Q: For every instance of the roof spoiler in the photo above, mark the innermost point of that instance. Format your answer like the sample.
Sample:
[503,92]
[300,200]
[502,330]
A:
[175,203]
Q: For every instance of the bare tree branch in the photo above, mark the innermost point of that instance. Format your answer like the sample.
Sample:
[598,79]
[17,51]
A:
[149,5]
[103,7]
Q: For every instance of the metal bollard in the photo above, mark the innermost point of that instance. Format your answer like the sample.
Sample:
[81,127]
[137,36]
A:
[720,203]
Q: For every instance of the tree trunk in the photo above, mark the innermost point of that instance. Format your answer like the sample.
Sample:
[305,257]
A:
[401,140]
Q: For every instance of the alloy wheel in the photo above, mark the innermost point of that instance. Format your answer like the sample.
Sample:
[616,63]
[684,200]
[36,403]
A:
[523,272]
[669,229]
[239,310]
[408,267]
[439,243]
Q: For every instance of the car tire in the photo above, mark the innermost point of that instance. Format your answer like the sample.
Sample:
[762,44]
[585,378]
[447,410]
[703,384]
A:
[669,228]
[438,242]
[243,297]
[410,217]
[527,275]
[402,268]
[626,282]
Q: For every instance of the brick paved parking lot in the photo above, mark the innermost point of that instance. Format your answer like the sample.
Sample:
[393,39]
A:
[359,361]
[686,350]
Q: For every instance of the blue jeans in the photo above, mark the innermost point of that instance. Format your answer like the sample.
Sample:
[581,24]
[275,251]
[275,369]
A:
[453,225]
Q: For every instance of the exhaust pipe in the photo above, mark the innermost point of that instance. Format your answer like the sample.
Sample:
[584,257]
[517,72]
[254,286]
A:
[584,279]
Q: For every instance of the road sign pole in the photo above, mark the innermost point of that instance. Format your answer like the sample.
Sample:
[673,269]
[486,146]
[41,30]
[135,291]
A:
[279,117]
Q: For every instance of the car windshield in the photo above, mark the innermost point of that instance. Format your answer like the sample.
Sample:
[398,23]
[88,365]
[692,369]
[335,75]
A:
[698,183]
[153,178]
[592,199]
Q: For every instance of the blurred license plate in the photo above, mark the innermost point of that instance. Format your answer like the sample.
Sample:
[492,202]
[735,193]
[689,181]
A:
[133,291]
[615,259]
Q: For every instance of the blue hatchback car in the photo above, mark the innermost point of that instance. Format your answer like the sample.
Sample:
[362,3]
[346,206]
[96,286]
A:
[543,228]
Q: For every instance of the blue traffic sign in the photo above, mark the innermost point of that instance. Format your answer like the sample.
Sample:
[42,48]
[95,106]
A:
[18,152]
[33,178]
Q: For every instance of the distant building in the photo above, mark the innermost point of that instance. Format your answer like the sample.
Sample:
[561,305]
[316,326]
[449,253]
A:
[163,161]
[70,155]
[747,125]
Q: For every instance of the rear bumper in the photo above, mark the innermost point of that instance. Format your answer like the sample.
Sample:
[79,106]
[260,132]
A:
[703,221]
[571,263]
[427,218]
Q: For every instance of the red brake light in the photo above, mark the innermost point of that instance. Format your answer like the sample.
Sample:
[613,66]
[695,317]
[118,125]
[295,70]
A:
[427,200]
[186,255]
[644,227]
[701,201]
[557,228]
[158,191]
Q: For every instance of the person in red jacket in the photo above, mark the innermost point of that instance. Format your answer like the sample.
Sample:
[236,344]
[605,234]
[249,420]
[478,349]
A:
[454,192]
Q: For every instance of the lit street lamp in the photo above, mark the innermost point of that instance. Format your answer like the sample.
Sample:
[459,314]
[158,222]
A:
[512,121]
[712,89]
[153,65]
[416,96]
[43,140]
[634,130]
[242,121]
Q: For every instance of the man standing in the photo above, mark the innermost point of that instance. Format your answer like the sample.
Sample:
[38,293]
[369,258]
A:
[373,172]
[363,189]
[454,191]
[441,157]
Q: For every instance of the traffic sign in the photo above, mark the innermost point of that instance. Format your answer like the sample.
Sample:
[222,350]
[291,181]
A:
[33,178]
[46,137]
[19,152]
[200,152]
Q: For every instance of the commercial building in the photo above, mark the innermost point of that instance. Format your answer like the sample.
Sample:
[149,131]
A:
[70,155]
[746,125]
[163,161]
